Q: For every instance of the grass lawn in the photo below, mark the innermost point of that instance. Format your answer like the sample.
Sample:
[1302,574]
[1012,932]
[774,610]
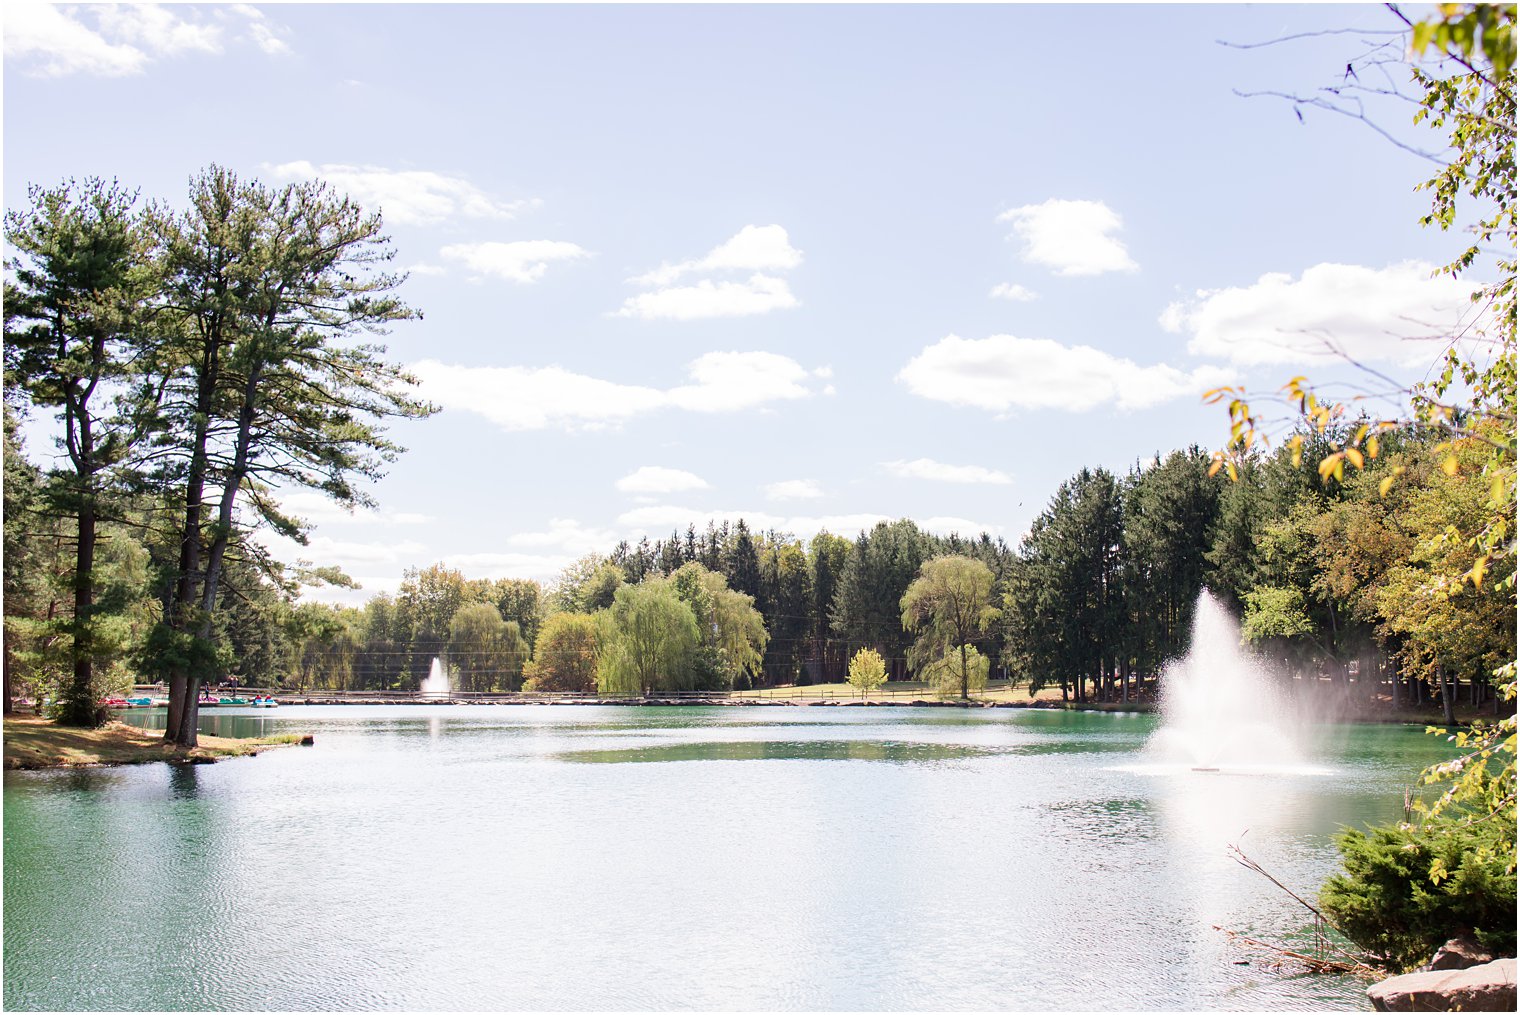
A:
[897,690]
[34,742]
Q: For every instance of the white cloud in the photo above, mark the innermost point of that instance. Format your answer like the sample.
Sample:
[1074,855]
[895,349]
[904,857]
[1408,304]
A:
[1013,291]
[264,34]
[942,525]
[728,381]
[926,468]
[568,536]
[540,567]
[369,587]
[324,551]
[794,489]
[1391,314]
[753,248]
[758,295]
[423,268]
[662,518]
[1071,237]
[520,261]
[1002,373]
[51,43]
[113,40]
[657,479]
[406,196]
[532,398]
[315,509]
[157,30]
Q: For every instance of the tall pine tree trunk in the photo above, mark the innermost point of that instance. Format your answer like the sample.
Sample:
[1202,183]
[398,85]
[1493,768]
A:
[79,701]
[183,692]
[78,698]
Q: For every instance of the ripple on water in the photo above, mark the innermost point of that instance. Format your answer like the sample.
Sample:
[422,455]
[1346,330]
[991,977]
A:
[499,859]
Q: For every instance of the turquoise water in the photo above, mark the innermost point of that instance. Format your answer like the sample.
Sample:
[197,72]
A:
[563,858]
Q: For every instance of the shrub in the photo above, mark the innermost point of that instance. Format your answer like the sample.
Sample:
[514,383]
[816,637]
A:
[1408,889]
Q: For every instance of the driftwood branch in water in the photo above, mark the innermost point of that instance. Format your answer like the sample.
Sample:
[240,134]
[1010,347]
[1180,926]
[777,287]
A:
[1327,959]
[1314,963]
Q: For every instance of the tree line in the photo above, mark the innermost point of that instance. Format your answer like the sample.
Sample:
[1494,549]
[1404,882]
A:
[1326,575]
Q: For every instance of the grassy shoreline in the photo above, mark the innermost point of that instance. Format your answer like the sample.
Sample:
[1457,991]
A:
[33,742]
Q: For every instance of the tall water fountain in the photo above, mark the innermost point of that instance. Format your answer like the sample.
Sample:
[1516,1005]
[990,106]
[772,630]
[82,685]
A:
[437,683]
[1219,709]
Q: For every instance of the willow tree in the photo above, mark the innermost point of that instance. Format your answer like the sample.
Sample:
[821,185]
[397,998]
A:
[270,386]
[728,624]
[76,310]
[485,652]
[648,641]
[949,606]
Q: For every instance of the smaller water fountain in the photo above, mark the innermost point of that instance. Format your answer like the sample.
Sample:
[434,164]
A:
[437,683]
[1219,708]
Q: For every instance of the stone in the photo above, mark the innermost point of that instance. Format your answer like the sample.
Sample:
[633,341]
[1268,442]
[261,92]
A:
[1486,987]
[1460,952]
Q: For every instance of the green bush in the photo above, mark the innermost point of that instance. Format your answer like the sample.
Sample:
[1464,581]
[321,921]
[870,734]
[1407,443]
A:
[1408,889]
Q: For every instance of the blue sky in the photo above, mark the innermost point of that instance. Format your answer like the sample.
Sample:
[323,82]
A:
[809,265]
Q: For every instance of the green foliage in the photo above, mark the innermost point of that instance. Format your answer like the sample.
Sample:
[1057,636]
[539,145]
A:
[867,608]
[867,670]
[1066,601]
[485,652]
[1406,890]
[81,276]
[950,606]
[731,629]
[564,654]
[648,639]
[1275,611]
[1165,507]
[959,673]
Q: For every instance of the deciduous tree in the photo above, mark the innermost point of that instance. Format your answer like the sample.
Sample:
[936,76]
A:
[950,607]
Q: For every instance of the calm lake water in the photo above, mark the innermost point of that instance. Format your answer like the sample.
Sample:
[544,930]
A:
[522,857]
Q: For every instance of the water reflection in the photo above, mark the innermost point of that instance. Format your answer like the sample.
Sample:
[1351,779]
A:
[784,750]
[184,782]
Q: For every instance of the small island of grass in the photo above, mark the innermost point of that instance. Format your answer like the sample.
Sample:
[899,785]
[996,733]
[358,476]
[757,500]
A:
[35,742]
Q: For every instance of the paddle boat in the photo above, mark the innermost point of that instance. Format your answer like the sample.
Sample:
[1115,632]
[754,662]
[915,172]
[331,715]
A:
[264,701]
[232,701]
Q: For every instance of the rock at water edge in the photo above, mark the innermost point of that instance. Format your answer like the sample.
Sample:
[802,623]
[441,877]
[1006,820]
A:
[1489,987]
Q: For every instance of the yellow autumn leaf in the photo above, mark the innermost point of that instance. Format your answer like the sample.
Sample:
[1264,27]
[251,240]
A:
[1449,466]
[1387,482]
[1355,458]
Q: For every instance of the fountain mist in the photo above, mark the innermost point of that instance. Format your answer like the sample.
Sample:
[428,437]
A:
[1218,705]
[437,683]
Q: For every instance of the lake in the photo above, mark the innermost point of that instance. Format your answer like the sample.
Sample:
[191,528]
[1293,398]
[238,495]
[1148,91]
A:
[603,857]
